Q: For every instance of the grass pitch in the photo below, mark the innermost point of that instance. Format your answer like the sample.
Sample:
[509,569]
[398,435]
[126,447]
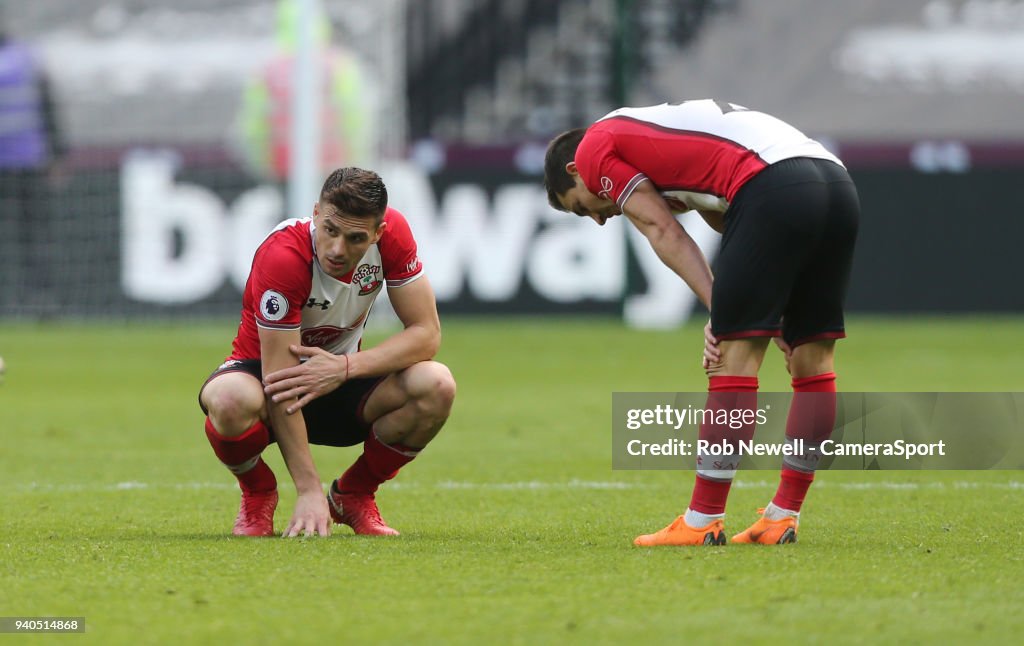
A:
[515,528]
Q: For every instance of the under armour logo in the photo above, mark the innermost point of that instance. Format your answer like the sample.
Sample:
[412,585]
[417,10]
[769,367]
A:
[323,305]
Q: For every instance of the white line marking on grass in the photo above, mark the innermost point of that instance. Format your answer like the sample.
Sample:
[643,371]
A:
[857,486]
[529,485]
[46,487]
[535,484]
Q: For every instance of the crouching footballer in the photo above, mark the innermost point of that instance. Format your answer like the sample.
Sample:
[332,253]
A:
[297,374]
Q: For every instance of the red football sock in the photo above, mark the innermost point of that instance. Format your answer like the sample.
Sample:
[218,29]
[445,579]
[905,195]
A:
[793,486]
[379,463]
[823,383]
[714,475]
[241,455]
[811,418]
[709,496]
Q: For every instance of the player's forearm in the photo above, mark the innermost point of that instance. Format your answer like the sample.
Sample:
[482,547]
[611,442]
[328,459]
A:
[681,254]
[650,214]
[290,432]
[413,344]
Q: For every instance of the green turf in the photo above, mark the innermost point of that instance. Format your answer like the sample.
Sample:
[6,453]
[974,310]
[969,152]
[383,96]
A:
[515,529]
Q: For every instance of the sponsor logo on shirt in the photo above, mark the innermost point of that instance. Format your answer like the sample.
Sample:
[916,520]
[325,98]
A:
[321,337]
[606,187]
[367,278]
[412,265]
[273,305]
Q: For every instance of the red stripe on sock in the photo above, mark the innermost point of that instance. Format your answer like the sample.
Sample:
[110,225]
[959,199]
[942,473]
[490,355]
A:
[709,496]
[793,486]
[726,392]
[378,464]
[823,383]
[811,418]
[240,449]
[813,411]
[732,383]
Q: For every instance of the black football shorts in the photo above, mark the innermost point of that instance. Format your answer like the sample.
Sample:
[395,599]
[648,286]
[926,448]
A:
[784,263]
[334,419]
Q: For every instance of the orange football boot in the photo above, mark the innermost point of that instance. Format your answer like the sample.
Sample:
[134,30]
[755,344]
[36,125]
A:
[679,533]
[769,532]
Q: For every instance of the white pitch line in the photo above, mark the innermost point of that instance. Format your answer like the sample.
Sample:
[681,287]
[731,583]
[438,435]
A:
[530,485]
[538,485]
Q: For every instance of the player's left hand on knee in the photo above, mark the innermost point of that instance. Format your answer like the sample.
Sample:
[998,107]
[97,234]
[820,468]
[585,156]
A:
[321,373]
[712,355]
[787,350]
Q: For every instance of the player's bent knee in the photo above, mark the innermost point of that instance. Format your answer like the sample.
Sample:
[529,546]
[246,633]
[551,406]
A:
[445,391]
[234,405]
[432,384]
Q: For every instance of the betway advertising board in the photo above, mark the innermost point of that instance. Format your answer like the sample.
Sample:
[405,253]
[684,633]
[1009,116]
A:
[170,234]
[489,242]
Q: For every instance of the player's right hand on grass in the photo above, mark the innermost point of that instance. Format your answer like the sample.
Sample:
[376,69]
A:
[311,516]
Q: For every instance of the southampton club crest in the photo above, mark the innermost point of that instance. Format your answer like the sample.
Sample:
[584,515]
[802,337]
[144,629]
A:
[367,278]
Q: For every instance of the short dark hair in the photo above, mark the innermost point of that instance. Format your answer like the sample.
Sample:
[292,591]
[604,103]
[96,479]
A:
[561,151]
[355,191]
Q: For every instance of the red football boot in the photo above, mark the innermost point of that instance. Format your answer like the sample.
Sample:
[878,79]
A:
[256,514]
[358,511]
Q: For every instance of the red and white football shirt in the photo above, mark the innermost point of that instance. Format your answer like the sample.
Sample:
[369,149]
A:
[697,153]
[288,290]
